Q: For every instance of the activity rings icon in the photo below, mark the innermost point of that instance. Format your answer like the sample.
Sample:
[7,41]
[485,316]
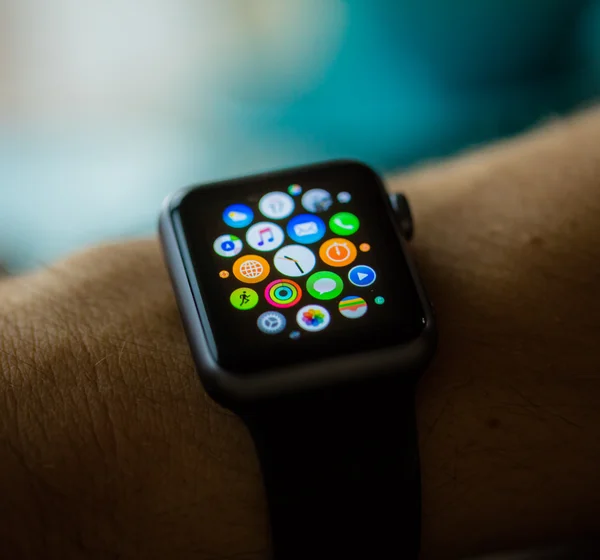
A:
[283,293]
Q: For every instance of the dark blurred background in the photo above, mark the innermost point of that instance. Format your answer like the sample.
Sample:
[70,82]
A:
[108,105]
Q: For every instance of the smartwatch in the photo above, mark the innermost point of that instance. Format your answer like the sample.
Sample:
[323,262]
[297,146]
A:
[306,316]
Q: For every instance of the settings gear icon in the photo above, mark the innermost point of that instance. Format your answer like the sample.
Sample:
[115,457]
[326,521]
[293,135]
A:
[271,322]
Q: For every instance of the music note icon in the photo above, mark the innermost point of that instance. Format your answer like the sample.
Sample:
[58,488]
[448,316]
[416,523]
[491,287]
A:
[262,233]
[265,236]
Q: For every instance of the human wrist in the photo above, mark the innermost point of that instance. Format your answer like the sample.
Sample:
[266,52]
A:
[507,243]
[111,442]
[129,455]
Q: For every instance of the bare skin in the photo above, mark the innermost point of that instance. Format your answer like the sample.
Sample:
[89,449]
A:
[109,447]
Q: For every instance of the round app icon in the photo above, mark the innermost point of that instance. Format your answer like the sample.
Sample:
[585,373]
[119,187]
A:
[325,285]
[228,245]
[265,236]
[271,322]
[276,205]
[238,216]
[317,200]
[283,293]
[344,197]
[338,252]
[295,260]
[306,228]
[313,318]
[295,190]
[362,276]
[251,269]
[244,298]
[353,307]
[344,223]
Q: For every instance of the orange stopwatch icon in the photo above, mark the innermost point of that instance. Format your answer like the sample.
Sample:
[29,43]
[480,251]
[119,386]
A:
[338,252]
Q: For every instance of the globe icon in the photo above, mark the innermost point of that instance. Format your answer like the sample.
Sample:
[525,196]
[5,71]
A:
[251,269]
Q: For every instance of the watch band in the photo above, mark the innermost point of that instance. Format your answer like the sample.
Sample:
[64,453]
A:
[341,471]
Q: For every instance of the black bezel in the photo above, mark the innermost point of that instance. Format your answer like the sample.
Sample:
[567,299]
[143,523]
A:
[409,359]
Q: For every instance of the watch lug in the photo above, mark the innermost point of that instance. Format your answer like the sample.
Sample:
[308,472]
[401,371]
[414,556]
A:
[403,215]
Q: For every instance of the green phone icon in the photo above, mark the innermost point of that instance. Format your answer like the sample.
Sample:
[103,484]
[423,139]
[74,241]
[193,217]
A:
[344,223]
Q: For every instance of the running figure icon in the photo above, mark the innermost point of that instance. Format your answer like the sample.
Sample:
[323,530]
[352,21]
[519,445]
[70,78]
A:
[244,299]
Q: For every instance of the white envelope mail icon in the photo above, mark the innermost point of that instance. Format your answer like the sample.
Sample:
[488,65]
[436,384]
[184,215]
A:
[307,228]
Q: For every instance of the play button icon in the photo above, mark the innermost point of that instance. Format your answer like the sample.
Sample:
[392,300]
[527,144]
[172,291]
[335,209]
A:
[362,276]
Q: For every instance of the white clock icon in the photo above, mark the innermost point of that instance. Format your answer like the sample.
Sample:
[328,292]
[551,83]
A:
[294,260]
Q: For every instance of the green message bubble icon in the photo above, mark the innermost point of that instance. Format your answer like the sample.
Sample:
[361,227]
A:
[324,285]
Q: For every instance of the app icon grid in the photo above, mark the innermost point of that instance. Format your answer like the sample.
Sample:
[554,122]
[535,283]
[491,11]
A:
[295,248]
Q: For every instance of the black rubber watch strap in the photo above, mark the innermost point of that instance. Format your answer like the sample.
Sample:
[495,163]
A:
[341,472]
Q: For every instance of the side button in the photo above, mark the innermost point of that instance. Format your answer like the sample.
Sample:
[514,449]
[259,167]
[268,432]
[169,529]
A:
[403,215]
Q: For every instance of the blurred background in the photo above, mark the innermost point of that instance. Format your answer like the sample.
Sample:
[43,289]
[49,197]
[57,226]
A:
[106,106]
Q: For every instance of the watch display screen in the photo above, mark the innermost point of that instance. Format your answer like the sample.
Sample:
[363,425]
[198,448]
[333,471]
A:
[297,266]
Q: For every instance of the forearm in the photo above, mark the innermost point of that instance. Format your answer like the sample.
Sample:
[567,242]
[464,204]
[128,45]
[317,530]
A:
[508,241]
[110,446]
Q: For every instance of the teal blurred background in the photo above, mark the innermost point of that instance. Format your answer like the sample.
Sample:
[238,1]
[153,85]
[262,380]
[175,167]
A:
[105,109]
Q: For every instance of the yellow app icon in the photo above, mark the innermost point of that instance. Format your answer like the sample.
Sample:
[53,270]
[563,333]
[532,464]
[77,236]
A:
[338,252]
[251,269]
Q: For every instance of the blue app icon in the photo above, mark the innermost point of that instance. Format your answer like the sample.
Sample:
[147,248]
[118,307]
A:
[306,228]
[228,246]
[362,276]
[238,216]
